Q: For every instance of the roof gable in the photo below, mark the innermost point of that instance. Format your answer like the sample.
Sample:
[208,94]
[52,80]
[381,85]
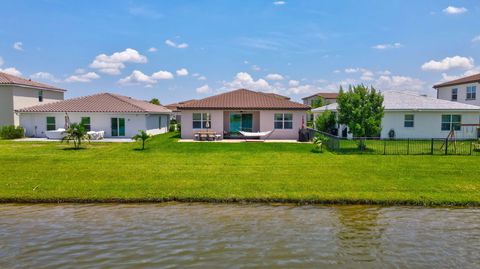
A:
[7,79]
[244,99]
[326,95]
[102,102]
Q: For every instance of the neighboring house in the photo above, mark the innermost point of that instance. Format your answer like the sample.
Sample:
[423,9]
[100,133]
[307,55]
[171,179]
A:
[17,93]
[411,115]
[175,111]
[243,110]
[463,90]
[329,97]
[117,115]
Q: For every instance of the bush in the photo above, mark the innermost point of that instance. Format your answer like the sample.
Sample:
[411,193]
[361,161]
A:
[11,132]
[326,122]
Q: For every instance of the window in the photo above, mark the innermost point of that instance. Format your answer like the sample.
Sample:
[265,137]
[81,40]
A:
[283,121]
[454,94]
[40,96]
[201,121]
[471,92]
[409,121]
[51,124]
[451,122]
[85,121]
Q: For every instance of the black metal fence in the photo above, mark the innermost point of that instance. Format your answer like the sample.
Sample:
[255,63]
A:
[369,145]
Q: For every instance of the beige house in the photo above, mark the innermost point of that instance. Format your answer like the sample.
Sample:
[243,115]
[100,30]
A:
[17,93]
[329,97]
[463,90]
[228,114]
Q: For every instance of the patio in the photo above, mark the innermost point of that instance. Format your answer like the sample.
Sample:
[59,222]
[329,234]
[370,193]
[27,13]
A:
[105,140]
[236,140]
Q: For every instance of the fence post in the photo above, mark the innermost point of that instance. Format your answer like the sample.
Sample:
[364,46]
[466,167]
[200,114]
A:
[408,146]
[431,148]
[446,146]
[384,147]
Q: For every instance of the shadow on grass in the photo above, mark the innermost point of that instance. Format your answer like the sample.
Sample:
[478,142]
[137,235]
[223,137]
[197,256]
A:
[74,149]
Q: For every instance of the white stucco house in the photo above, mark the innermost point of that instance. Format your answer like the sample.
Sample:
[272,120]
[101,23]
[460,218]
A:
[116,115]
[462,90]
[17,93]
[415,116]
[244,110]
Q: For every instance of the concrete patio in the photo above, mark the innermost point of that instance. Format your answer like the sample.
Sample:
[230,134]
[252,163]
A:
[105,140]
[242,141]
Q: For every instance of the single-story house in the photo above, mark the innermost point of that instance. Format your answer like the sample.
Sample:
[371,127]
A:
[116,115]
[243,110]
[176,115]
[415,116]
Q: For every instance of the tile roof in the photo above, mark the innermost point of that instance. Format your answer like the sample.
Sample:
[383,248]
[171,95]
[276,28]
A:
[7,79]
[102,102]
[244,99]
[469,79]
[174,106]
[396,100]
[326,95]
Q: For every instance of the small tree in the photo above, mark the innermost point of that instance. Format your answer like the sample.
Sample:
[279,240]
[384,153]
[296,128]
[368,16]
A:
[77,133]
[141,136]
[318,141]
[155,101]
[361,109]
[318,102]
[326,122]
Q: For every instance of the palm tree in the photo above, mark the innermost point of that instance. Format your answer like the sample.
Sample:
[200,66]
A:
[141,136]
[76,132]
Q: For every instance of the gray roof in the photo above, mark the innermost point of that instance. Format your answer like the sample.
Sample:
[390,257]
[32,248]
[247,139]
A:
[398,100]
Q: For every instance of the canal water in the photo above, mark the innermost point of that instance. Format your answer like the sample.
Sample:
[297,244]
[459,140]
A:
[237,236]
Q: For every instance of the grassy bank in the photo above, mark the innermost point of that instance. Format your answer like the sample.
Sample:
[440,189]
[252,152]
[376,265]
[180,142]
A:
[220,172]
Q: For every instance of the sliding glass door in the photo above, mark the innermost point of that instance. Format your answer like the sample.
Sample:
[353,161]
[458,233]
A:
[241,122]
[118,126]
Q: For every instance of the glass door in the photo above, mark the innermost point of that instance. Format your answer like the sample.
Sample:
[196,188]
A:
[247,122]
[235,122]
[118,126]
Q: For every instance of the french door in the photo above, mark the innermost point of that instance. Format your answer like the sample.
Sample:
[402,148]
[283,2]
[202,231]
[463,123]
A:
[241,122]
[118,126]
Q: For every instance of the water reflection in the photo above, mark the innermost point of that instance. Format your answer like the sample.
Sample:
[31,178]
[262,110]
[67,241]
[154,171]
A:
[237,236]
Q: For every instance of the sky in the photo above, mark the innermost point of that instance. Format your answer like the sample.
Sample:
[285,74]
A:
[181,50]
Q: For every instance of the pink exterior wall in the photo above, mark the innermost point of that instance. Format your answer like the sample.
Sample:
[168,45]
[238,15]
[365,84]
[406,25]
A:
[266,124]
[187,123]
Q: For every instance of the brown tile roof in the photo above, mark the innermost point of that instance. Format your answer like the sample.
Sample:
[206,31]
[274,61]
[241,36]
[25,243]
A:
[14,80]
[174,106]
[244,99]
[469,79]
[101,102]
[326,95]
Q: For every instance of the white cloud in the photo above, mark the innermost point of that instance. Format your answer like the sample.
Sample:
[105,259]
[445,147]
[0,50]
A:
[449,63]
[454,10]
[112,64]
[18,45]
[476,39]
[384,83]
[172,44]
[256,68]
[352,70]
[274,77]
[1,61]
[367,75]
[87,77]
[384,72]
[279,3]
[204,89]
[137,77]
[152,49]
[11,70]
[245,80]
[160,75]
[387,46]
[182,72]
[44,76]
[293,83]
[80,71]
[202,78]
[302,89]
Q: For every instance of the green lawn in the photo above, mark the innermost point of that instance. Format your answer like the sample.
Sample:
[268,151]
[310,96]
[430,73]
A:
[275,172]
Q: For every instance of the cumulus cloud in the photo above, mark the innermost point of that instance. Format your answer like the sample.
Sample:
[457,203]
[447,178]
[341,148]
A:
[245,80]
[202,78]
[384,83]
[44,76]
[182,72]
[279,3]
[18,46]
[152,49]
[454,10]
[112,64]
[203,89]
[12,71]
[256,68]
[367,75]
[172,44]
[302,89]
[137,77]
[449,63]
[1,61]
[87,77]
[274,77]
[387,46]
[161,75]
[293,83]
[476,39]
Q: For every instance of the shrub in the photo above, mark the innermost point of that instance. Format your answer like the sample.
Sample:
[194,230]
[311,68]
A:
[11,132]
[318,141]
[326,122]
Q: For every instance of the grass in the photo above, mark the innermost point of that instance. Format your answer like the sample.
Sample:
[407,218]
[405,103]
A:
[230,172]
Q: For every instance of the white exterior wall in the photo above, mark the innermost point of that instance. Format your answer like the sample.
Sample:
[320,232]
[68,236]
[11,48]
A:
[187,122]
[155,125]
[445,93]
[267,120]
[26,97]
[35,124]
[6,106]
[427,124]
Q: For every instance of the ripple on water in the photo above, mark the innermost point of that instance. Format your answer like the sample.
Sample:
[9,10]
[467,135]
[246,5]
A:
[236,236]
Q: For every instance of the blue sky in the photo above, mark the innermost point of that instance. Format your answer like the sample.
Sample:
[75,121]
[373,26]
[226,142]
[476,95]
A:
[178,50]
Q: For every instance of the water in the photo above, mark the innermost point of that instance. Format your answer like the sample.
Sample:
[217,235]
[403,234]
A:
[237,236]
